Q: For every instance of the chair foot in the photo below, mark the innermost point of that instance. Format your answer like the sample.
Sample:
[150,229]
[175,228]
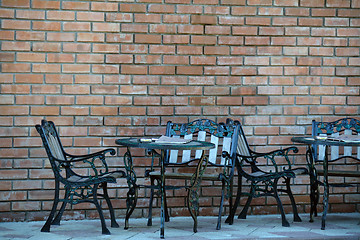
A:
[218,226]
[297,218]
[45,228]
[242,215]
[285,223]
[106,231]
[115,224]
[230,219]
[149,223]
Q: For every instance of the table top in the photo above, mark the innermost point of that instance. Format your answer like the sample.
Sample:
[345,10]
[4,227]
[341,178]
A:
[330,142]
[192,145]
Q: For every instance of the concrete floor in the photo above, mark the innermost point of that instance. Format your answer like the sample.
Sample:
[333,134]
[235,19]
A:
[338,226]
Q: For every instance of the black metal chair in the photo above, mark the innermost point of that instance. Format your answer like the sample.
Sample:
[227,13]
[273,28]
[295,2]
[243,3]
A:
[340,157]
[78,188]
[224,136]
[264,177]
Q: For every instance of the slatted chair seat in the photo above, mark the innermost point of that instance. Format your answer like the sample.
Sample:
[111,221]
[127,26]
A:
[224,137]
[264,178]
[339,173]
[78,188]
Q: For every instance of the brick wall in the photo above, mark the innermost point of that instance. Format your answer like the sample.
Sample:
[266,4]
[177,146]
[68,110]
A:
[104,69]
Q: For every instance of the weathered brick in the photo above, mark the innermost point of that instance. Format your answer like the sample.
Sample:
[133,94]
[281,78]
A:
[105,69]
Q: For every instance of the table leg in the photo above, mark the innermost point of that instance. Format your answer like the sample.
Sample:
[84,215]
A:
[132,194]
[314,186]
[162,192]
[326,189]
[193,196]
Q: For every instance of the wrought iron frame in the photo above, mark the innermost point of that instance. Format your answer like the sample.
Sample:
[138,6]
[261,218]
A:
[327,128]
[228,129]
[78,188]
[133,186]
[265,183]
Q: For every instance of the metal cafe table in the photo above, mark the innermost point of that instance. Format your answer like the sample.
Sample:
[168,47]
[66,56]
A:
[310,141]
[152,146]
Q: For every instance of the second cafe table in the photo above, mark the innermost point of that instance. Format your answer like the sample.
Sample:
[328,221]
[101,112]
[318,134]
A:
[310,141]
[152,146]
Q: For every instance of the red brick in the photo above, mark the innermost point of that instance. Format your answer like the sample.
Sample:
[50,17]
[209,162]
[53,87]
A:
[176,101]
[46,26]
[216,70]
[187,110]
[60,100]
[132,111]
[64,37]
[203,19]
[160,111]
[189,70]
[74,5]
[107,89]
[76,26]
[31,100]
[270,70]
[16,3]
[75,89]
[235,101]
[14,110]
[353,100]
[204,40]
[15,24]
[60,58]
[7,57]
[76,68]
[44,110]
[7,35]
[106,27]
[188,90]
[256,100]
[245,71]
[45,4]
[89,100]
[316,110]
[281,100]
[107,6]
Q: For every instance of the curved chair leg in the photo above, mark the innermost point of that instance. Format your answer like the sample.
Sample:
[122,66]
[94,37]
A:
[46,227]
[285,223]
[244,211]
[218,226]
[114,224]
[230,218]
[292,200]
[149,223]
[102,219]
[57,219]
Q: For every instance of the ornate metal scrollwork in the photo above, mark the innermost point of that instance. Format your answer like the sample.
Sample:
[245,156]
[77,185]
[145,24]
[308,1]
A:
[132,194]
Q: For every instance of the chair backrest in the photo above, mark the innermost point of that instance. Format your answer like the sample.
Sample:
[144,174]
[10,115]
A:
[223,135]
[243,146]
[52,144]
[344,126]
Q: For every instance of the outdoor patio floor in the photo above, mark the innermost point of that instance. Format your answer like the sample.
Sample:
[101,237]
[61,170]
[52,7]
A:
[338,226]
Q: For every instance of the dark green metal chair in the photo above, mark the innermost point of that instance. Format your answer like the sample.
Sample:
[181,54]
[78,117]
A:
[178,163]
[263,171]
[78,188]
